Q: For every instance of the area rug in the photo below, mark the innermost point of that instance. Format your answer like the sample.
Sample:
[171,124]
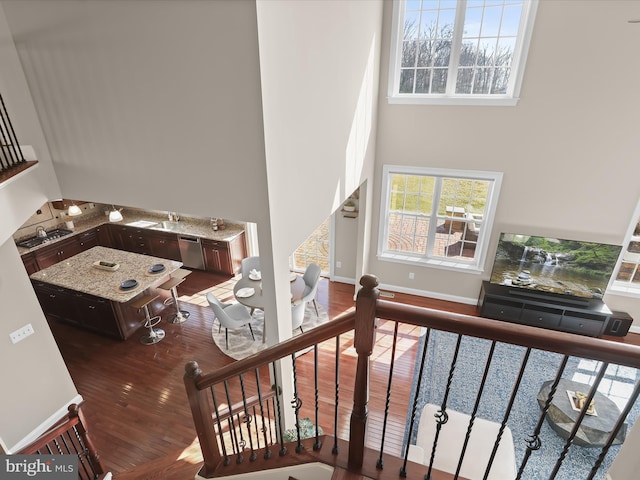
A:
[241,344]
[542,366]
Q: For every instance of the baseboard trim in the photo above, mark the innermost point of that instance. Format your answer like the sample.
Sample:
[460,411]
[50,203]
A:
[634,329]
[425,293]
[44,426]
[413,291]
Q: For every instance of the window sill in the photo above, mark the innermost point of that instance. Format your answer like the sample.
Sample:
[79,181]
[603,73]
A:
[431,262]
[457,100]
[625,290]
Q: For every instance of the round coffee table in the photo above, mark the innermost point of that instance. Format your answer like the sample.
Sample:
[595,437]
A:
[594,430]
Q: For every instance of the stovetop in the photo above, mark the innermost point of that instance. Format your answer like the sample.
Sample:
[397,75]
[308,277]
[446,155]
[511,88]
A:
[51,235]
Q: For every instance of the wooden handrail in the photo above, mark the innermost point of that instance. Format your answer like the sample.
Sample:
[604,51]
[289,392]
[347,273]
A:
[75,418]
[335,327]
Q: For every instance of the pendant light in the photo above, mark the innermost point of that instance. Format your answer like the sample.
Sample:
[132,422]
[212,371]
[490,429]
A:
[74,210]
[115,215]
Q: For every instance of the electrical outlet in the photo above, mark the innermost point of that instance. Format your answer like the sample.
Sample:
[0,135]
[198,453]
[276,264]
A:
[21,333]
[338,264]
[411,276]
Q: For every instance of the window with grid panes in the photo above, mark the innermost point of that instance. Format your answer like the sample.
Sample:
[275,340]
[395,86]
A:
[437,217]
[459,51]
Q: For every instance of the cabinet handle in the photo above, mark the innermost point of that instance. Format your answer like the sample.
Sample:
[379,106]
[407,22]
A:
[51,295]
[92,307]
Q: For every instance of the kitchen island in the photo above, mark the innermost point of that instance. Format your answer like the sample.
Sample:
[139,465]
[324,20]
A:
[77,291]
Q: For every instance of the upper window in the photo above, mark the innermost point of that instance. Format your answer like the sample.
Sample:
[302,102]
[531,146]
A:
[437,217]
[459,51]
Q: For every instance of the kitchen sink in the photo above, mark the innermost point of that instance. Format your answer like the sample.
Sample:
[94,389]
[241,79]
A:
[166,225]
[141,224]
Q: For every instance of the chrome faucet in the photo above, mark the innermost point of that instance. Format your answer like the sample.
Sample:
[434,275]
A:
[173,217]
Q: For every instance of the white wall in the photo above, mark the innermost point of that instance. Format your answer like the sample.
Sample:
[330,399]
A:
[319,90]
[36,385]
[149,104]
[568,150]
[20,198]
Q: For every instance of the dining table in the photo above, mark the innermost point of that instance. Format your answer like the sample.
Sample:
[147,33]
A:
[248,291]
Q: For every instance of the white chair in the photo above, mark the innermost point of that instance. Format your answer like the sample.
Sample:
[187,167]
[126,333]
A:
[297,314]
[249,264]
[230,315]
[311,277]
[450,443]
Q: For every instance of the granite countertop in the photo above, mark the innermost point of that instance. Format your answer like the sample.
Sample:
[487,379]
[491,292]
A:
[196,227]
[78,273]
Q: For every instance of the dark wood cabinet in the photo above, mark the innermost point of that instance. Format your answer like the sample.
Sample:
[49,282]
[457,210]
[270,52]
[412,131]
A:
[56,252]
[30,264]
[87,239]
[130,239]
[164,245]
[224,256]
[88,311]
[103,235]
[582,316]
[216,256]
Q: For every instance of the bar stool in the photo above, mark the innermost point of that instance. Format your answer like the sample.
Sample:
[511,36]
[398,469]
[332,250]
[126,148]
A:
[172,285]
[154,335]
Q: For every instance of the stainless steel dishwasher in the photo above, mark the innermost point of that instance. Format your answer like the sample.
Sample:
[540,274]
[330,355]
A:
[191,252]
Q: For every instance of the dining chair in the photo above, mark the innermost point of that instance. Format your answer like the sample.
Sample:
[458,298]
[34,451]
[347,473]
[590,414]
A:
[297,314]
[230,315]
[311,277]
[248,264]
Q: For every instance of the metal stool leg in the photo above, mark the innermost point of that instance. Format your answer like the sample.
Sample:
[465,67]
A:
[181,315]
[155,334]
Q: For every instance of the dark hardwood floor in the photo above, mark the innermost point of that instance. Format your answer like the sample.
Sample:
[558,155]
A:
[134,396]
[135,400]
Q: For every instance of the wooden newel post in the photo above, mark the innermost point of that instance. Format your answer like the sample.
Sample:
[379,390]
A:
[365,335]
[92,453]
[202,419]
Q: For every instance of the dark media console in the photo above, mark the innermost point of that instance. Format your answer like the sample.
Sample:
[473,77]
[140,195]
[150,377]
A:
[584,316]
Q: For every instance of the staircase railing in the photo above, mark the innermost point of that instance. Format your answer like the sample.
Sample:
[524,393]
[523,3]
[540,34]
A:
[70,436]
[12,160]
[249,438]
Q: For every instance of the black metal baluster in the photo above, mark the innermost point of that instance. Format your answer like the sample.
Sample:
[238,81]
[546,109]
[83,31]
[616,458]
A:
[335,449]
[267,452]
[534,442]
[297,404]
[442,417]
[81,458]
[578,421]
[317,444]
[278,390]
[238,444]
[380,462]
[512,399]
[248,420]
[612,436]
[403,469]
[6,159]
[227,459]
[472,420]
[12,134]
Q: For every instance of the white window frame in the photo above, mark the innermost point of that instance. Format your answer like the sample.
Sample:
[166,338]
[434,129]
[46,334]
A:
[620,287]
[427,260]
[451,98]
